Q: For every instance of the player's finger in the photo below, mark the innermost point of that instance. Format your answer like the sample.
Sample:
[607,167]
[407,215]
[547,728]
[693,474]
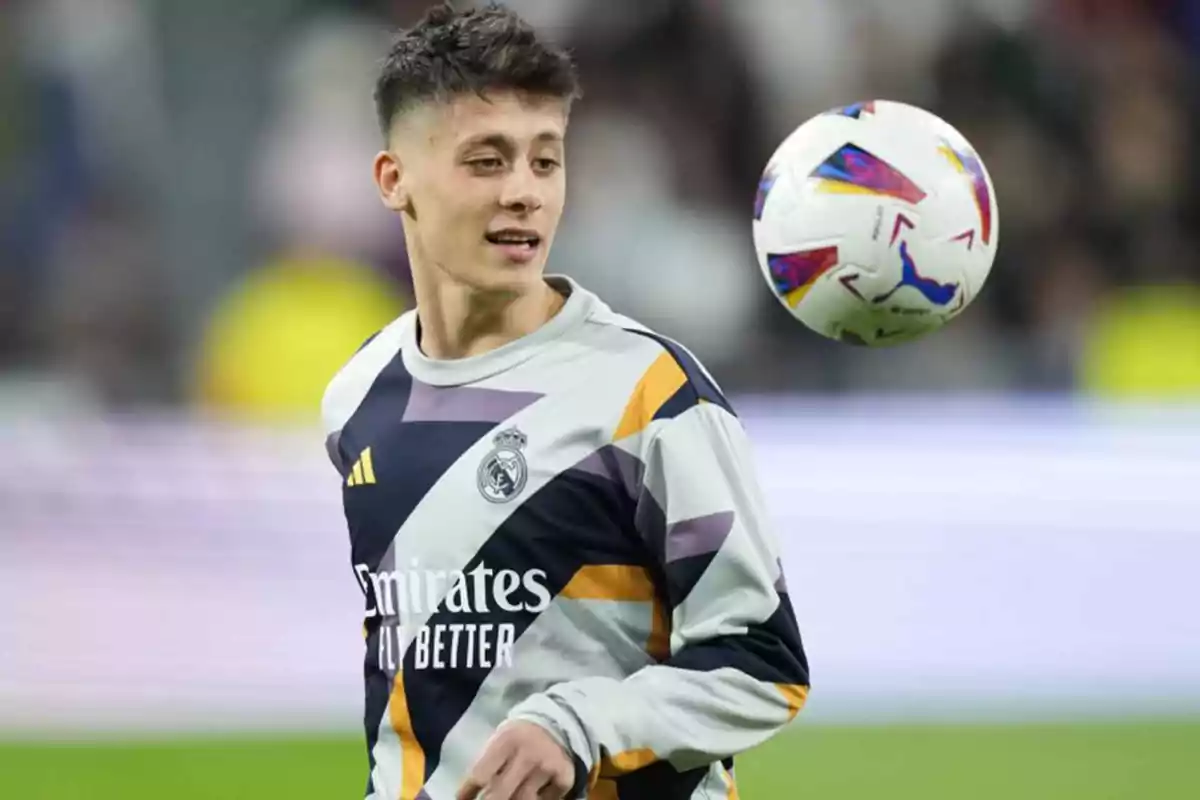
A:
[469,790]
[505,784]
[536,787]
[557,786]
[473,788]
[494,758]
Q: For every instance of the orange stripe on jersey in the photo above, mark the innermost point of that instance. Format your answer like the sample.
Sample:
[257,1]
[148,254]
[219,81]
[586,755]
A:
[610,582]
[629,584]
[795,695]
[658,384]
[412,757]
[626,761]
[733,792]
[604,790]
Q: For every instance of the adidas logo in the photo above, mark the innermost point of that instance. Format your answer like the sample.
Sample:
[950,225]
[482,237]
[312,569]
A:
[363,472]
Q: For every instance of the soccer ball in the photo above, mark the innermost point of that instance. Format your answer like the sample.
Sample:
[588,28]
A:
[875,223]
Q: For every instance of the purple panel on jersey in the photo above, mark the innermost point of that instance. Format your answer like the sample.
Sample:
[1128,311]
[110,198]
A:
[614,464]
[464,404]
[698,536]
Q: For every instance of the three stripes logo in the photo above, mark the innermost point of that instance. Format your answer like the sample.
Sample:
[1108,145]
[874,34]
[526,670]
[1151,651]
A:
[363,472]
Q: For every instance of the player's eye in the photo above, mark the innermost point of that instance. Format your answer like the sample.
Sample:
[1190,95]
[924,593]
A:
[486,164]
[545,164]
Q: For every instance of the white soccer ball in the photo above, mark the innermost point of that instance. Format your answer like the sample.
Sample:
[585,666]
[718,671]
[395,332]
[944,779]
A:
[875,223]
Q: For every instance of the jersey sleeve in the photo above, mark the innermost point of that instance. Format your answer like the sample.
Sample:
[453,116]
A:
[737,672]
[349,386]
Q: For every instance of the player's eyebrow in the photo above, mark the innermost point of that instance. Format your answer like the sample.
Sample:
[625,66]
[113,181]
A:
[496,140]
[506,145]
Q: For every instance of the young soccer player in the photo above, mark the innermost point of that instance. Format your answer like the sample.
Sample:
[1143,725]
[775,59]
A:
[571,586]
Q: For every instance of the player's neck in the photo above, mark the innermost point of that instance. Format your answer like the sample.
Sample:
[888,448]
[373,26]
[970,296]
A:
[459,321]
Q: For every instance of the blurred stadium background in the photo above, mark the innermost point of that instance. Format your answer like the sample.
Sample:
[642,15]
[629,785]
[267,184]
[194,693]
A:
[992,535]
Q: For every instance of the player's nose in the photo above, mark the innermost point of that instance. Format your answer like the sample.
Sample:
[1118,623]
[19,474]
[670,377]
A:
[521,192]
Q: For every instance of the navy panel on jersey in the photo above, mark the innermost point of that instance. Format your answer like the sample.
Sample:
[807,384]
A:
[682,576]
[407,460]
[770,651]
[378,688]
[576,519]
[660,781]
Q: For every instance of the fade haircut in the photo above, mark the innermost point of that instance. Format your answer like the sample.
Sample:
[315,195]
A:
[450,53]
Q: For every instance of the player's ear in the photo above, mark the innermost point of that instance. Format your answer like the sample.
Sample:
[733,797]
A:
[389,178]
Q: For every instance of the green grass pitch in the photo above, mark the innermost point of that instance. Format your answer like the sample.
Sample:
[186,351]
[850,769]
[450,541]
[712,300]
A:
[1055,762]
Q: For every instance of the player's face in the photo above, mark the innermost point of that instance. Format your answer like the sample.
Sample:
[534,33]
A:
[481,184]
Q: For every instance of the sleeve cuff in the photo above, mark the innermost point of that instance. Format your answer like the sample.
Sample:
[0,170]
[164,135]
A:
[561,723]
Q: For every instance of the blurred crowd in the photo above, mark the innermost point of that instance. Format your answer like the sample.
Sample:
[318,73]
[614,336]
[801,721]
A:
[187,215]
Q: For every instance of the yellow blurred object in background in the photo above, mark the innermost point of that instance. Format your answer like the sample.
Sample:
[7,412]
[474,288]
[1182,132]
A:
[1145,343]
[276,340]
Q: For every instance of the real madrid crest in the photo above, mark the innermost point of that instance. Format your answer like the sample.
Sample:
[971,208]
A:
[503,471]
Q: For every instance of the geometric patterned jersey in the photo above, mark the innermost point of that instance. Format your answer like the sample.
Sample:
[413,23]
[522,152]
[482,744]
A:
[566,530]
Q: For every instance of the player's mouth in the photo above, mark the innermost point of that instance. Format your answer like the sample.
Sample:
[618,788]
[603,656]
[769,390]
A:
[517,244]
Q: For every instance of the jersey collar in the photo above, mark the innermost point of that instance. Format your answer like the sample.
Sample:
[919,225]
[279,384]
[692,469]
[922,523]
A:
[454,372]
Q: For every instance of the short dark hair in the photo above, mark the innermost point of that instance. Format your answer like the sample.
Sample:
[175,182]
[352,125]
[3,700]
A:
[451,52]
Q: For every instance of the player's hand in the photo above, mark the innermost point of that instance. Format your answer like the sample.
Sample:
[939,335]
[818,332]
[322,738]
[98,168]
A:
[521,762]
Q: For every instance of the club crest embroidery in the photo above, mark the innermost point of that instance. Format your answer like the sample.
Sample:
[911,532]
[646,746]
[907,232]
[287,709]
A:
[503,472]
